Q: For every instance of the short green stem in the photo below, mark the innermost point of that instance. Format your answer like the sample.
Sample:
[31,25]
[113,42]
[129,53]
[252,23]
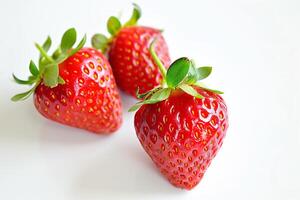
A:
[157,61]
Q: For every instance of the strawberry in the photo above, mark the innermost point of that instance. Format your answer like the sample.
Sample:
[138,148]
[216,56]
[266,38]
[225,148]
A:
[181,124]
[74,86]
[128,53]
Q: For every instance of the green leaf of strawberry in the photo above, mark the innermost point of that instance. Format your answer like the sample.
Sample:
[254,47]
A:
[113,25]
[78,47]
[47,70]
[60,80]
[181,74]
[22,96]
[68,40]
[201,85]
[204,72]
[33,69]
[157,95]
[190,90]
[23,82]
[99,41]
[177,72]
[47,44]
[136,15]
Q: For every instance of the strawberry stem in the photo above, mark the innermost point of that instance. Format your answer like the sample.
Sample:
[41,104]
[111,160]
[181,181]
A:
[157,61]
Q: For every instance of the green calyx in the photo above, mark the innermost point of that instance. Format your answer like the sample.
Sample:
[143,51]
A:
[47,70]
[101,42]
[182,74]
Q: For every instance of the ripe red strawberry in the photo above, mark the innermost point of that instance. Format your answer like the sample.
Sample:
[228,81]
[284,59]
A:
[129,56]
[75,87]
[181,125]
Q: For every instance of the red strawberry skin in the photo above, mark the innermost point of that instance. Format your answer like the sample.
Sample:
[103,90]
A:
[183,134]
[89,98]
[131,61]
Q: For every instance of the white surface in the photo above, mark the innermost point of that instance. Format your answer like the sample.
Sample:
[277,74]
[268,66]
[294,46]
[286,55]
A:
[255,48]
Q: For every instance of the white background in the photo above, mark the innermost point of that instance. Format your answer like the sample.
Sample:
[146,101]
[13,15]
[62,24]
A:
[254,47]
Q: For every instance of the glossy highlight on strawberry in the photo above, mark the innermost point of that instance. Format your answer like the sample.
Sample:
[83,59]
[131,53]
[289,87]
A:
[182,123]
[74,86]
[128,53]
